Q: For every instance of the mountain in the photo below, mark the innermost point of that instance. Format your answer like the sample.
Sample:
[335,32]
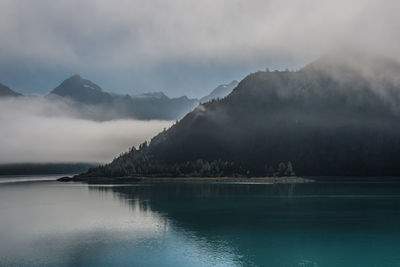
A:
[107,106]
[82,90]
[220,92]
[159,95]
[160,106]
[87,100]
[5,91]
[336,116]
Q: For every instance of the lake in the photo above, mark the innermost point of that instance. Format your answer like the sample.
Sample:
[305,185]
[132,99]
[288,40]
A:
[48,223]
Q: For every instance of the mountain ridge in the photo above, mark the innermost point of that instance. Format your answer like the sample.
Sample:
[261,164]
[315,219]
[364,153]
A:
[152,105]
[92,102]
[314,121]
[6,91]
[220,91]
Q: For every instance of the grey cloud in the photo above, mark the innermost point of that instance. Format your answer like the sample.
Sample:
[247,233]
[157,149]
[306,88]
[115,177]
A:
[123,33]
[139,45]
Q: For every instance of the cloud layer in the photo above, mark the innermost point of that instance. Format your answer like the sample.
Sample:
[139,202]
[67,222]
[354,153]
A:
[122,33]
[148,39]
[40,131]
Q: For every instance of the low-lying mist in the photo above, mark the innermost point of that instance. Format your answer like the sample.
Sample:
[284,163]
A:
[37,130]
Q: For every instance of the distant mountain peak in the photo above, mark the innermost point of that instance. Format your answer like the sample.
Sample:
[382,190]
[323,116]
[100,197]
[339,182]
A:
[220,92]
[6,91]
[75,76]
[80,89]
[106,105]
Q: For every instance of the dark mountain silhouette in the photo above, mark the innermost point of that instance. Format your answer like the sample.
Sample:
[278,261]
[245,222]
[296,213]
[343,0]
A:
[82,90]
[5,91]
[220,92]
[337,116]
[108,106]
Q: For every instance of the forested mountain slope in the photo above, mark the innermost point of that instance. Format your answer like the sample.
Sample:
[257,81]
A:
[337,116]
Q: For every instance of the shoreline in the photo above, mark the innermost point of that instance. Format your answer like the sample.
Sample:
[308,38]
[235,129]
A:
[255,180]
[252,180]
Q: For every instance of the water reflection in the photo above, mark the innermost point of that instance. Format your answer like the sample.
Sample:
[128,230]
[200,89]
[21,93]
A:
[52,224]
[282,225]
[55,224]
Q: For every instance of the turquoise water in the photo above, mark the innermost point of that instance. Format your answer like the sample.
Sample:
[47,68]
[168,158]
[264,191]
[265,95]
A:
[46,223]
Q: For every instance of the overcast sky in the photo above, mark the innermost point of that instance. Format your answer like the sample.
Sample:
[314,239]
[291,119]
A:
[178,46]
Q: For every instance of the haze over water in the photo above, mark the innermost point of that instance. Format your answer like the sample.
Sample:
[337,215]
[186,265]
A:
[46,223]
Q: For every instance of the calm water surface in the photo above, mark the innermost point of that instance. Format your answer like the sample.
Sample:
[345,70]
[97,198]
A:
[46,223]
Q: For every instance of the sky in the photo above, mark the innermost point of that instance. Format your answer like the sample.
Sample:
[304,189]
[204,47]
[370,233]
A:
[181,47]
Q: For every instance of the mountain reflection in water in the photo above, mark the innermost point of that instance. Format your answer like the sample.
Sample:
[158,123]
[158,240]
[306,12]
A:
[202,224]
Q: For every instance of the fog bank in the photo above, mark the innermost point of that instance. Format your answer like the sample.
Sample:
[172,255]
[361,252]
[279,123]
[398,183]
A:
[40,132]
